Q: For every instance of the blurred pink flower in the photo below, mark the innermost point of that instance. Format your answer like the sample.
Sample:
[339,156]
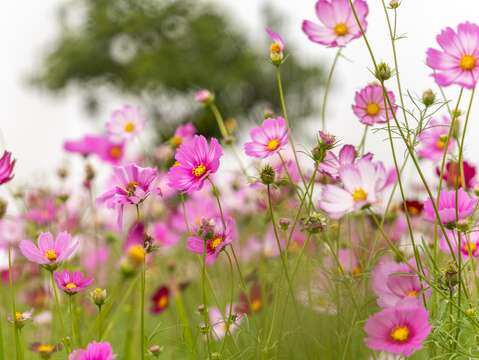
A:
[204,96]
[369,105]
[49,252]
[332,163]
[182,134]
[106,149]
[133,185]
[469,244]
[125,123]
[453,177]
[338,25]
[218,323]
[94,351]
[268,139]
[7,165]
[71,282]
[447,207]
[457,61]
[433,139]
[196,160]
[398,330]
[164,236]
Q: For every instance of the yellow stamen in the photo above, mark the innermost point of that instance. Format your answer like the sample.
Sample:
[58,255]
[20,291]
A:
[162,301]
[442,142]
[131,187]
[256,305]
[360,195]
[411,293]
[275,48]
[470,247]
[71,286]
[468,62]
[129,127]
[45,348]
[400,333]
[176,140]
[215,243]
[136,253]
[341,29]
[116,152]
[51,255]
[199,170]
[18,316]
[372,109]
[272,144]
[177,163]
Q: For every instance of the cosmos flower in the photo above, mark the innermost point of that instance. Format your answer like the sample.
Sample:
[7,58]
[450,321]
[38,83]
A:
[45,350]
[109,150]
[369,105]
[196,160]
[71,282]
[164,236]
[160,300]
[433,139]
[20,318]
[398,330]
[457,61]
[268,139]
[276,48]
[133,185]
[125,123]
[7,165]
[452,174]
[49,252]
[447,207]
[94,351]
[251,303]
[338,25]
[218,323]
[183,133]
[332,163]
[469,244]
[216,236]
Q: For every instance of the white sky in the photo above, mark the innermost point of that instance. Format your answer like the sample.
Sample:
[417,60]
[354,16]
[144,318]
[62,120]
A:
[34,125]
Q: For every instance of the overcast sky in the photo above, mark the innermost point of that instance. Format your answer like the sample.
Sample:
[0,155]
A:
[34,124]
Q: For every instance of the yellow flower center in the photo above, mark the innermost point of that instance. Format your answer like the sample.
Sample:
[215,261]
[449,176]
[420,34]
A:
[162,301]
[441,142]
[400,333]
[411,293]
[215,243]
[177,163]
[275,48]
[51,255]
[272,144]
[341,29]
[116,152]
[470,247]
[18,316]
[468,62]
[359,195]
[71,286]
[136,253]
[45,348]
[372,109]
[129,127]
[256,305]
[131,187]
[176,140]
[199,170]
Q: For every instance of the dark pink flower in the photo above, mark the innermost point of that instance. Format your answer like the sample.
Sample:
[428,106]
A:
[94,351]
[7,165]
[106,149]
[447,207]
[160,300]
[452,174]
[268,139]
[71,282]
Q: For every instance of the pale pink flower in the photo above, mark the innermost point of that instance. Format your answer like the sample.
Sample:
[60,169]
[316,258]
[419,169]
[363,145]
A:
[125,123]
[369,105]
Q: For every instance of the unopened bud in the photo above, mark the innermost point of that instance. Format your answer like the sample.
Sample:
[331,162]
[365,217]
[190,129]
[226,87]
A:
[284,223]
[155,350]
[314,223]
[383,72]
[204,96]
[394,4]
[201,308]
[267,175]
[428,97]
[98,296]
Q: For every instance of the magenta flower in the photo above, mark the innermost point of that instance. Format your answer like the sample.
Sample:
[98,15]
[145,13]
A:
[133,185]
[452,174]
[433,139]
[71,282]
[338,24]
[106,149]
[49,252]
[447,207]
[164,236]
[196,160]
[277,45]
[214,234]
[125,123]
[268,139]
[398,330]
[183,133]
[469,244]
[94,351]
[332,164]
[6,167]
[369,105]
[457,61]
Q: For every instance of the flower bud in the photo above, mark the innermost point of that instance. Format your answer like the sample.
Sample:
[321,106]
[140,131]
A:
[428,97]
[267,175]
[394,4]
[201,308]
[155,350]
[316,222]
[204,97]
[98,296]
[383,72]
[267,114]
[450,276]
[284,223]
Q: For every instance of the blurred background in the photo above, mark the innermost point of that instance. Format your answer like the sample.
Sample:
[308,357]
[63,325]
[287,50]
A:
[67,64]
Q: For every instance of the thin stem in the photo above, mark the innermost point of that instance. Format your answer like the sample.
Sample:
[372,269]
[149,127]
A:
[58,309]
[142,308]
[327,89]
[14,311]
[100,323]
[72,320]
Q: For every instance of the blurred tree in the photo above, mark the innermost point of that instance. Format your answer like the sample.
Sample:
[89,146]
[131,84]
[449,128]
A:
[161,52]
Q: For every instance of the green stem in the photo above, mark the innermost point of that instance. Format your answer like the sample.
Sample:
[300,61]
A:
[327,88]
[142,308]
[72,320]
[18,351]
[100,324]
[59,311]
[203,292]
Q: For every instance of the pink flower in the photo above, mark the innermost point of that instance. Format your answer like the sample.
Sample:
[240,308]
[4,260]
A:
[369,105]
[49,252]
[183,133]
[196,160]
[71,282]
[452,174]
[204,96]
[125,123]
[218,322]
[164,236]
[106,149]
[214,234]
[433,139]
[338,24]
[398,330]
[347,156]
[362,184]
[277,45]
[268,139]
[469,244]
[6,167]
[447,207]
[94,351]
[133,185]
[457,62]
